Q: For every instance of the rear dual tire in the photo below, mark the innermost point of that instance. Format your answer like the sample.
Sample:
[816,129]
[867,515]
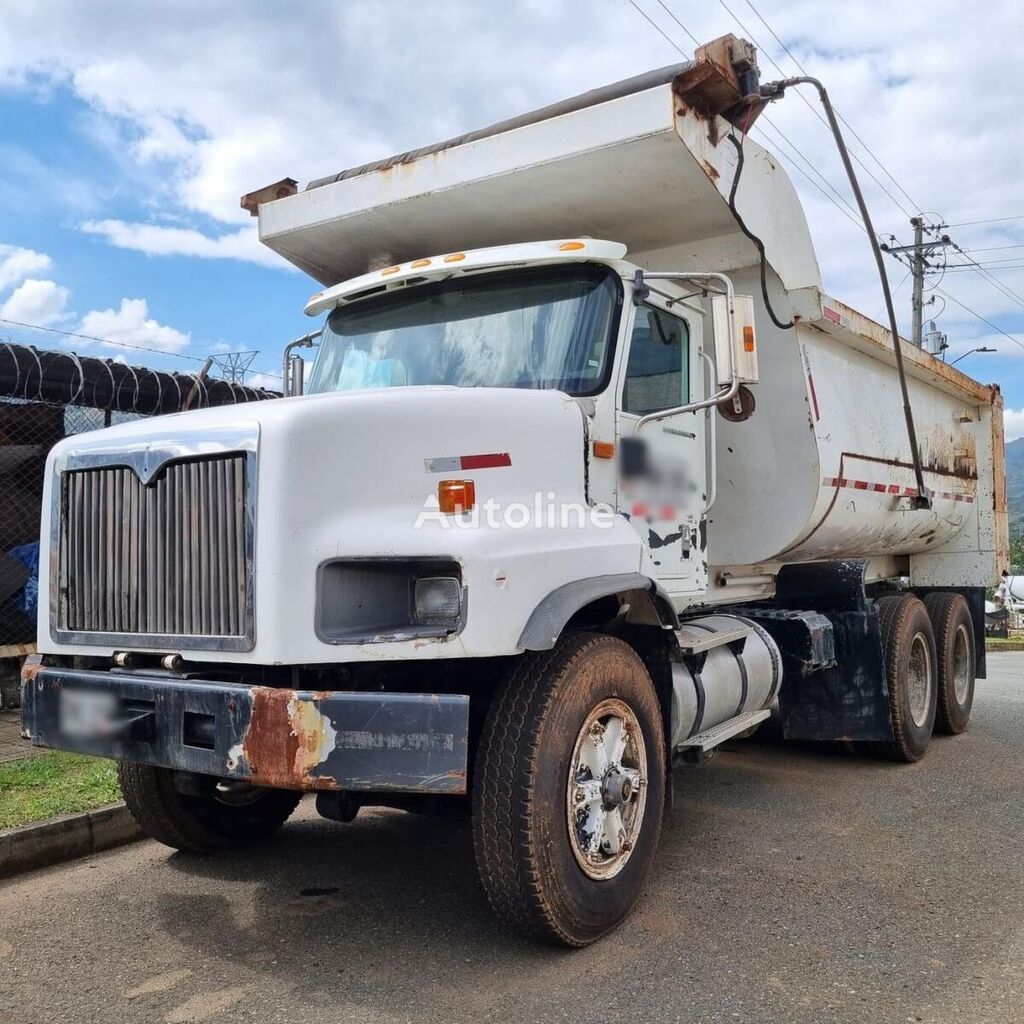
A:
[911,672]
[929,656]
[954,641]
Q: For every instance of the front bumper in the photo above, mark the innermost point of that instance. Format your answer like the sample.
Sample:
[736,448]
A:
[292,739]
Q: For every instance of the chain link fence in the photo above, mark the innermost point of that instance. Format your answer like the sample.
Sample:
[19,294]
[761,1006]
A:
[45,397]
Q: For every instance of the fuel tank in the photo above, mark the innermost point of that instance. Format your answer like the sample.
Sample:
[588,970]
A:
[728,680]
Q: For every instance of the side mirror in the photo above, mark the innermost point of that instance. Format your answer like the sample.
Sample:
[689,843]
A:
[744,355]
[293,371]
[296,377]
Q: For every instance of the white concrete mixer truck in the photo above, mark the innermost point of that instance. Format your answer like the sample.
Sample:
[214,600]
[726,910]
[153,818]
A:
[589,475]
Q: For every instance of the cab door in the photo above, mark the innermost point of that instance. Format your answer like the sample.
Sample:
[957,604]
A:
[662,466]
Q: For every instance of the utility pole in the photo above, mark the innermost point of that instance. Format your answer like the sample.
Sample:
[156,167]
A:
[918,254]
[917,270]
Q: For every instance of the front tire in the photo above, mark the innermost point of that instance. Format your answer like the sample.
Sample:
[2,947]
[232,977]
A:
[569,789]
[226,814]
[909,656]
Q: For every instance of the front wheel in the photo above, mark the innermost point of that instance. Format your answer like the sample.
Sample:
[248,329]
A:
[219,815]
[569,788]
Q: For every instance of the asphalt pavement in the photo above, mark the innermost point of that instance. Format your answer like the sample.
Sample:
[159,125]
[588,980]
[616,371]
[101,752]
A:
[792,884]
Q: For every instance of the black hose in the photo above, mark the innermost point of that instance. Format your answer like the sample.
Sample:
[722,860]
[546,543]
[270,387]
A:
[923,499]
[783,325]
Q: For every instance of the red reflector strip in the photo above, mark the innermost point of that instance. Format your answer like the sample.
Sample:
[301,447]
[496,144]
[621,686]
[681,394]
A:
[492,461]
[453,463]
[893,489]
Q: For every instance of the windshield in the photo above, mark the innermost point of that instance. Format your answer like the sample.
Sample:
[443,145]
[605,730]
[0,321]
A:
[538,328]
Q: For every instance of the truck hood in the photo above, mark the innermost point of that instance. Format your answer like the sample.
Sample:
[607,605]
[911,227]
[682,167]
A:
[390,445]
[355,476]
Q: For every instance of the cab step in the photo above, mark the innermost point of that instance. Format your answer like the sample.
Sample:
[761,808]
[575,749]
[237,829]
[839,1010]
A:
[702,742]
[695,640]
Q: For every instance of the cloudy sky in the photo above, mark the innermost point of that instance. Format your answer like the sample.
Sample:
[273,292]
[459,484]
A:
[131,129]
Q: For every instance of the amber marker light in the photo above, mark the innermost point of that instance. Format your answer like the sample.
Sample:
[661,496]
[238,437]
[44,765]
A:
[604,450]
[455,257]
[748,338]
[456,496]
[571,246]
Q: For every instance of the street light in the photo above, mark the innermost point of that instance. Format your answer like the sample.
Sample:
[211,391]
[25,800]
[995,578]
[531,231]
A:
[966,354]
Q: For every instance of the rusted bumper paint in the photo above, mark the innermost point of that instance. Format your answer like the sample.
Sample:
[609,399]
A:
[292,739]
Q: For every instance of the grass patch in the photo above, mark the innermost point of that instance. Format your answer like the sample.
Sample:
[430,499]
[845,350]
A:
[41,787]
[1013,643]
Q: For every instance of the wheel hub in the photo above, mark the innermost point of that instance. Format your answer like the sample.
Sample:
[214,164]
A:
[919,680]
[606,790]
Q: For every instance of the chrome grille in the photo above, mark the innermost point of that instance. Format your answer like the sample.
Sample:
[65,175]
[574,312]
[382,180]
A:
[169,557]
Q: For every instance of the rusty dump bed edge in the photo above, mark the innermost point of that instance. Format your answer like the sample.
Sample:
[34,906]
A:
[628,86]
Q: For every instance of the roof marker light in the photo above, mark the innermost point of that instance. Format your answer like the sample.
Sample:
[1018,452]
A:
[571,246]
[454,257]
[416,264]
[390,270]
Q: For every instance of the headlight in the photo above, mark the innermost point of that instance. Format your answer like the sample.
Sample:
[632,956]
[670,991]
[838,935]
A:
[437,599]
[372,600]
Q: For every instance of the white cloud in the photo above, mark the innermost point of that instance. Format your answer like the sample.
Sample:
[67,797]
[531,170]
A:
[1013,423]
[158,240]
[133,325]
[16,264]
[269,381]
[37,302]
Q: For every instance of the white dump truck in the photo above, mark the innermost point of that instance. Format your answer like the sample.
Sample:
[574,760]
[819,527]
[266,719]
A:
[569,496]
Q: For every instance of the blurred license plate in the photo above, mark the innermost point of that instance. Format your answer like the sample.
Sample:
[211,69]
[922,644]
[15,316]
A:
[87,713]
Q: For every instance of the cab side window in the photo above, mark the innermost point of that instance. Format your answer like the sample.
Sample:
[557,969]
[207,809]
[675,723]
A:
[657,372]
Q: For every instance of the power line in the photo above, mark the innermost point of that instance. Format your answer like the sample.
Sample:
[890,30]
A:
[848,211]
[853,131]
[1005,289]
[639,10]
[995,261]
[816,113]
[995,248]
[104,341]
[993,220]
[964,266]
[845,208]
[696,41]
[984,320]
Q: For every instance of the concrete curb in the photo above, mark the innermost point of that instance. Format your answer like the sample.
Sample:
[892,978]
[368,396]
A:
[1014,645]
[65,838]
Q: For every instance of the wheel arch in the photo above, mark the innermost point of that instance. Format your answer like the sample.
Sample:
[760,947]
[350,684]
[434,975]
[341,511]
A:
[588,601]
